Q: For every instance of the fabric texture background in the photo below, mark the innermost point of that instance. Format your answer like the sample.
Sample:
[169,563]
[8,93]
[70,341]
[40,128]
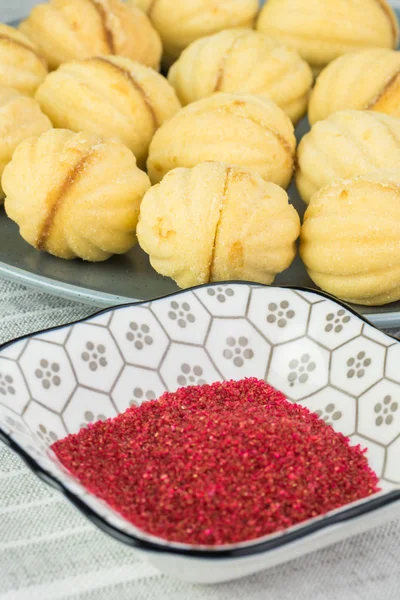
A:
[48,551]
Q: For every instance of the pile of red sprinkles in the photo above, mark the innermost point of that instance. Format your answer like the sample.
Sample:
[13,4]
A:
[218,464]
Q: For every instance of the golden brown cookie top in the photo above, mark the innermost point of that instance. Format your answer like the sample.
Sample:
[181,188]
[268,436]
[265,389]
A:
[330,28]
[243,61]
[357,80]
[22,66]
[243,129]
[111,96]
[346,144]
[76,29]
[75,194]
[209,223]
[181,23]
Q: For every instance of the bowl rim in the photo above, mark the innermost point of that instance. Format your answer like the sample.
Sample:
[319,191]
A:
[340,516]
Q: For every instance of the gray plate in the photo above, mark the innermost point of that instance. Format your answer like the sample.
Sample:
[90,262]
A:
[130,277]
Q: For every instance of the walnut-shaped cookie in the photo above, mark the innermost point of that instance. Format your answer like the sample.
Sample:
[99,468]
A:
[180,23]
[243,129]
[322,30]
[75,194]
[65,30]
[22,67]
[111,96]
[346,144]
[217,222]
[350,239]
[242,60]
[20,118]
[367,80]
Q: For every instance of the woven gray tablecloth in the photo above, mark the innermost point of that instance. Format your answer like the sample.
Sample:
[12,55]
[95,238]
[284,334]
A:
[49,551]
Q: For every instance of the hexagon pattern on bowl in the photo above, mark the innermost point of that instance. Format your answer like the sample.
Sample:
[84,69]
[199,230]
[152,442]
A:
[310,347]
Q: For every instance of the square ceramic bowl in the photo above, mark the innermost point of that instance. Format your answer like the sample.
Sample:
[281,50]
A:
[315,350]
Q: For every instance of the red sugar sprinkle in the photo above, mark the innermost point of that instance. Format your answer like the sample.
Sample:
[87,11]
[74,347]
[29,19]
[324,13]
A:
[218,464]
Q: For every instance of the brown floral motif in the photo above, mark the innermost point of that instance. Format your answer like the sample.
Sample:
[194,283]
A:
[139,335]
[6,385]
[358,365]
[300,369]
[139,395]
[48,373]
[336,321]
[238,351]
[48,437]
[329,414]
[181,313]
[385,411]
[191,375]
[280,314]
[221,293]
[90,417]
[94,355]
